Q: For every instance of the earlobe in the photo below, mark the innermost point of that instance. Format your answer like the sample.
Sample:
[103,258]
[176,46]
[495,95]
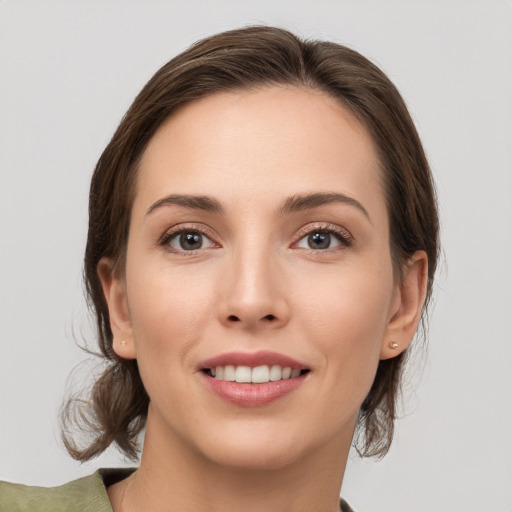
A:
[125,349]
[114,290]
[407,307]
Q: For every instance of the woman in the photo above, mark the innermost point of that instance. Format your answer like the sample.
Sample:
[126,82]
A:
[262,244]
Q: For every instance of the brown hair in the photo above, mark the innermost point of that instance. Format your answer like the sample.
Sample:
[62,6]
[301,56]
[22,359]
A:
[241,59]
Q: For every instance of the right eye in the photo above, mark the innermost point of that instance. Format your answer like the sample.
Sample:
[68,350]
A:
[187,240]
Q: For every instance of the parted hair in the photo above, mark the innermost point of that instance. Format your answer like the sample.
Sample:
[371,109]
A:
[115,410]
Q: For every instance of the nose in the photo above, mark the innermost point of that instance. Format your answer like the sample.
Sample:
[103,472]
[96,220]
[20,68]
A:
[253,291]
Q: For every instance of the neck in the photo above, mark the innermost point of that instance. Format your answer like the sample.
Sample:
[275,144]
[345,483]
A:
[174,477]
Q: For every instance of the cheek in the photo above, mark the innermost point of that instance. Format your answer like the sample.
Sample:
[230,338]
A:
[347,314]
[349,300]
[168,308]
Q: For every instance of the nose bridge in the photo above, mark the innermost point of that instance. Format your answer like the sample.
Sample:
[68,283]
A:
[253,291]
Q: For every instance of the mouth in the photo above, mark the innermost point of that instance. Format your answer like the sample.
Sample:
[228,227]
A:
[253,379]
[254,375]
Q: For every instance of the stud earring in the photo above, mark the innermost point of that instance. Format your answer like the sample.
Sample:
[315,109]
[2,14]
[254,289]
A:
[123,343]
[393,345]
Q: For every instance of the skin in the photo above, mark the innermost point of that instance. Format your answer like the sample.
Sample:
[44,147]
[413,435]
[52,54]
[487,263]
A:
[256,285]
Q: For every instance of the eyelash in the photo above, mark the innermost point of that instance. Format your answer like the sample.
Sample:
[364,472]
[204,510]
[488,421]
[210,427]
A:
[179,230]
[343,236]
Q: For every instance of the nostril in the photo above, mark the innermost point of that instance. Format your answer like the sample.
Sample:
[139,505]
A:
[269,318]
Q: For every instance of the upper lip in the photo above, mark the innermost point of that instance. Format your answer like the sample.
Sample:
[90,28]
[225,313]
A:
[252,359]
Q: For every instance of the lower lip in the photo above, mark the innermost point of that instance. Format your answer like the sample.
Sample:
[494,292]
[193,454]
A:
[253,395]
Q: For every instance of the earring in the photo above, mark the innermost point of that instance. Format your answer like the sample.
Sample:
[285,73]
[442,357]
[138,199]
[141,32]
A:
[393,345]
[123,343]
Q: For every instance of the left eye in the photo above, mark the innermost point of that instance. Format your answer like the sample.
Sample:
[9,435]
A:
[320,240]
[190,240]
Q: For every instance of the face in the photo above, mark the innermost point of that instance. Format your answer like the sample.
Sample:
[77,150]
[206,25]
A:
[258,251]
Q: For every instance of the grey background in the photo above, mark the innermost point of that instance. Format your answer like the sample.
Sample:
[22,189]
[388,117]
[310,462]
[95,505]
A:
[68,72]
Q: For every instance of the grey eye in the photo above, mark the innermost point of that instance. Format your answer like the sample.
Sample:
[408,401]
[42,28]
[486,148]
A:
[320,240]
[190,241]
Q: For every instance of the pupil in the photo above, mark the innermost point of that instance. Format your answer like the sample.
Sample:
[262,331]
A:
[319,240]
[191,241]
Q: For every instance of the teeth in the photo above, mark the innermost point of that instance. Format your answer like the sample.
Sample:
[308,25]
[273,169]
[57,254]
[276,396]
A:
[275,373]
[257,375]
[260,374]
[229,373]
[243,374]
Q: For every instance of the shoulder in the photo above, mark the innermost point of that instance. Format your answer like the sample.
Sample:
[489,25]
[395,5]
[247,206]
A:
[87,494]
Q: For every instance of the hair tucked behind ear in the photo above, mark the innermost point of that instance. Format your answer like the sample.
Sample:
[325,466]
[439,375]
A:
[241,59]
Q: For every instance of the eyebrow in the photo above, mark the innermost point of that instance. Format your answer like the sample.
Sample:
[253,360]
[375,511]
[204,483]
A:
[308,201]
[205,203]
[292,204]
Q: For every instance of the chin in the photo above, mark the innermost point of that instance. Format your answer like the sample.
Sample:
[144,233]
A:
[258,447]
[253,457]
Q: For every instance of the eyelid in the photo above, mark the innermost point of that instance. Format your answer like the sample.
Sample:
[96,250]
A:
[343,234]
[184,227]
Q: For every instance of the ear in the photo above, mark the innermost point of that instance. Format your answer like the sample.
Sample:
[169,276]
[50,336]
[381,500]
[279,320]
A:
[114,289]
[406,307]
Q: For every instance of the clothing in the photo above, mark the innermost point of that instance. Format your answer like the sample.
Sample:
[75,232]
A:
[87,494]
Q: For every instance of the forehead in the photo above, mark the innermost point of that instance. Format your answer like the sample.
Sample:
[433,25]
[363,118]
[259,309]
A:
[265,143]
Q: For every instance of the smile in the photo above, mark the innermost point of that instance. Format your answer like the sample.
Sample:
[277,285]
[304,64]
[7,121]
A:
[253,379]
[256,375]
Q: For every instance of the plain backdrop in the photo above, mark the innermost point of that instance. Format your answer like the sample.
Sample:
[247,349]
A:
[68,72]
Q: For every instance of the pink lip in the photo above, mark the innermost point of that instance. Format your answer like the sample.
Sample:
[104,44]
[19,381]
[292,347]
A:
[252,395]
[252,360]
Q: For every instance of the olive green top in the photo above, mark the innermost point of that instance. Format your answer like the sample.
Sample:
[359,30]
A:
[87,494]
